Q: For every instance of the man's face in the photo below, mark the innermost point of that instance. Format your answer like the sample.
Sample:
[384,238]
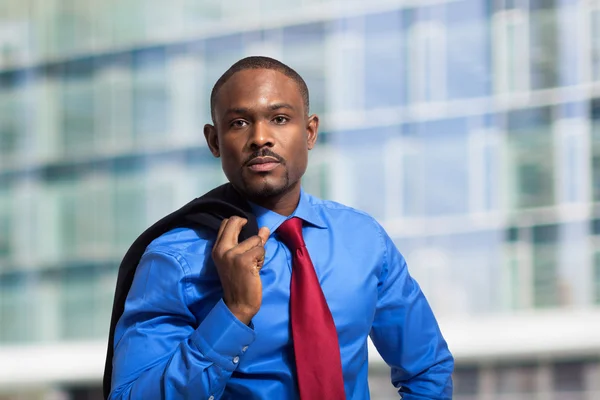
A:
[262,133]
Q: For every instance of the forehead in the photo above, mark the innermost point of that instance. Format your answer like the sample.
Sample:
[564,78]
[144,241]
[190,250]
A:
[253,88]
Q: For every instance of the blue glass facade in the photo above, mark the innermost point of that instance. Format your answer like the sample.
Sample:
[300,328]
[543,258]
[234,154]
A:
[468,128]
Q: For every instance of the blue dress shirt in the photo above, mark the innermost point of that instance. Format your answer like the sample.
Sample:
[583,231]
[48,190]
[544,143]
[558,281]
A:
[178,340]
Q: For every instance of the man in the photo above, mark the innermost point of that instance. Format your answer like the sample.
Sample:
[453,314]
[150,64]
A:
[284,314]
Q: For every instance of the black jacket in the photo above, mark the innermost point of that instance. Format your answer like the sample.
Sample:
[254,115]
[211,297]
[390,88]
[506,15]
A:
[207,211]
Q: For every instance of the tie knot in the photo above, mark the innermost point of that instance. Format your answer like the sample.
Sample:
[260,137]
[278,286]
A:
[290,233]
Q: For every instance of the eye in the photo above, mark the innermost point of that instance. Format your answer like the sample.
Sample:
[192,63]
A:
[239,123]
[280,120]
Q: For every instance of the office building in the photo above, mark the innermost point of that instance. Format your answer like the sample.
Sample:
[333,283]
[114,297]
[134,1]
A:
[469,128]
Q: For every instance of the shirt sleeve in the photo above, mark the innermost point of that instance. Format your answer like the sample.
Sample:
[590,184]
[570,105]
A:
[406,333]
[161,350]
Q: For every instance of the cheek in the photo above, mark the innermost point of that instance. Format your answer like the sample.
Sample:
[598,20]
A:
[230,148]
[298,162]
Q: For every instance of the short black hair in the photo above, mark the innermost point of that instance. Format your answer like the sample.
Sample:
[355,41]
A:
[259,62]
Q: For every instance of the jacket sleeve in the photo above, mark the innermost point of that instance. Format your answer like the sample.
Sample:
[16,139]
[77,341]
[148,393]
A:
[161,350]
[406,333]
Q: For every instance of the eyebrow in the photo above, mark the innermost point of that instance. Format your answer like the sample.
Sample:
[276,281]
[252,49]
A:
[278,106]
[236,110]
[272,107]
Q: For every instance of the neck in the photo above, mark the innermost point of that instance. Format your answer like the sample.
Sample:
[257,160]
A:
[284,203]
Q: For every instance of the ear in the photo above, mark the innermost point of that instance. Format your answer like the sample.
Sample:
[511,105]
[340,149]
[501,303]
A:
[312,131]
[212,139]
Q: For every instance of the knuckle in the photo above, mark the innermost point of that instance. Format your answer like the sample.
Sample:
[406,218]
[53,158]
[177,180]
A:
[236,219]
[228,256]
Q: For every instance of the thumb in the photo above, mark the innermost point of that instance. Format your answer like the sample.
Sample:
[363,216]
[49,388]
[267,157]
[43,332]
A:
[264,233]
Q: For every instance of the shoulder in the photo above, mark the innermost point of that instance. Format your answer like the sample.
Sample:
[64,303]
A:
[181,240]
[334,214]
[190,248]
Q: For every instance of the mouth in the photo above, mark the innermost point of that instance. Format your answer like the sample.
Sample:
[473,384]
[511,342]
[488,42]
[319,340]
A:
[263,164]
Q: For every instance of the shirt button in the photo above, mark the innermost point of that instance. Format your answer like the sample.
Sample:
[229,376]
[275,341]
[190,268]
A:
[244,348]
[211,398]
[236,359]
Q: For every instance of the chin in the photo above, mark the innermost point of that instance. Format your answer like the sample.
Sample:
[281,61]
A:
[265,188]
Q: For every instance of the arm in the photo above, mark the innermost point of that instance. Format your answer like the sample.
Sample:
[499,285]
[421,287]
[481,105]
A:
[406,333]
[161,350]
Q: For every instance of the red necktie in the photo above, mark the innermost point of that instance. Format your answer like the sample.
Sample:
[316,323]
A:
[318,361]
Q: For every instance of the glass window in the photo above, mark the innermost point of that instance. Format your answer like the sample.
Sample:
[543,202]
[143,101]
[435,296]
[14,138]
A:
[491,173]
[531,158]
[126,20]
[545,266]
[384,60]
[161,20]
[16,303]
[412,173]
[104,294]
[113,98]
[380,385]
[466,381]
[13,113]
[596,277]
[65,22]
[570,39]
[364,168]
[511,51]
[150,95]
[303,49]
[595,41]
[316,180]
[595,147]
[197,13]
[568,380]
[511,282]
[86,300]
[346,63]
[9,129]
[94,229]
[129,204]
[78,303]
[445,179]
[15,33]
[74,26]
[78,107]
[5,226]
[544,46]
[68,221]
[221,52]
[516,380]
[469,72]
[573,160]
[427,60]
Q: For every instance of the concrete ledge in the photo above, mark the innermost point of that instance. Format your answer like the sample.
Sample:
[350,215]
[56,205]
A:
[539,335]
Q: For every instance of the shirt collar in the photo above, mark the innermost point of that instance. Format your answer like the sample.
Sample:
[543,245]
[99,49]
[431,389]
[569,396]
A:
[305,211]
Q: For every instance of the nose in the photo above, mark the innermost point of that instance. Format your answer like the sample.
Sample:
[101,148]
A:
[260,136]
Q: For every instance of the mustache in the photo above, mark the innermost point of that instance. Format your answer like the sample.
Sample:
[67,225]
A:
[264,152]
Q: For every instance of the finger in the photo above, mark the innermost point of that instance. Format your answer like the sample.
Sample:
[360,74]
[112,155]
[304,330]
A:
[248,244]
[258,255]
[221,229]
[264,233]
[231,232]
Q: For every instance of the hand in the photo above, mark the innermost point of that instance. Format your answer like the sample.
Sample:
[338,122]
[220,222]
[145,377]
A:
[238,265]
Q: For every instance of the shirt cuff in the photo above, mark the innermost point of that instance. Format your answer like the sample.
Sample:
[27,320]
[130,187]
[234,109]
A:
[222,337]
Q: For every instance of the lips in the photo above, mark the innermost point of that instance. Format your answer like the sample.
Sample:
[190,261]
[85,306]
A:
[263,164]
